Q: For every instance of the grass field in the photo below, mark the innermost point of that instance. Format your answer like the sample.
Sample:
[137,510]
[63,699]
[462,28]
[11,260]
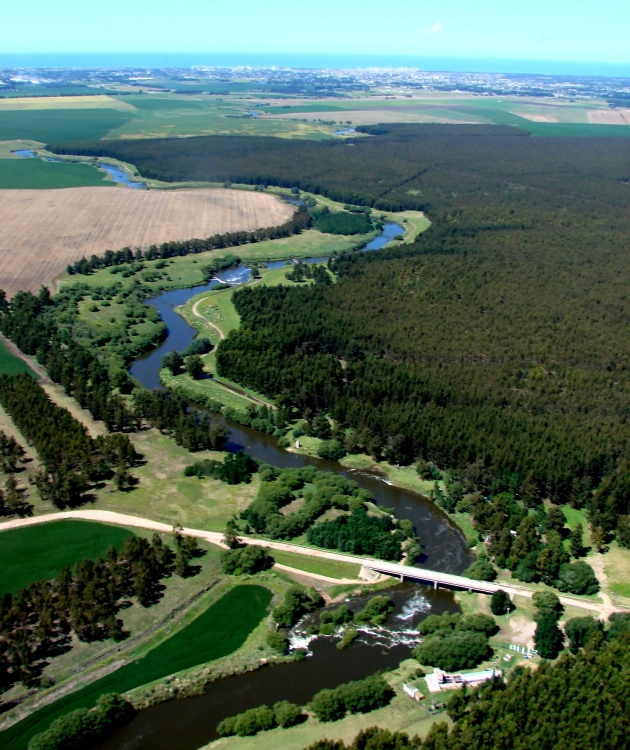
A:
[82,102]
[37,174]
[166,495]
[55,125]
[10,364]
[162,116]
[330,568]
[38,553]
[218,631]
[42,231]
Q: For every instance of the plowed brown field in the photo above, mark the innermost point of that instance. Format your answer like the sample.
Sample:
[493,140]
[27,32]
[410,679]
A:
[41,231]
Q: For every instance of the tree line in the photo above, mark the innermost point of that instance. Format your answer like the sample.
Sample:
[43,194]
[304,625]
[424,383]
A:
[300,221]
[358,697]
[71,458]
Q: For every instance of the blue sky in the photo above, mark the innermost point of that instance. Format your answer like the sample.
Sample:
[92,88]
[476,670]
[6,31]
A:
[576,30]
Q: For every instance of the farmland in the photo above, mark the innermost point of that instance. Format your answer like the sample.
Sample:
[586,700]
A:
[45,230]
[36,174]
[45,125]
[9,363]
[39,553]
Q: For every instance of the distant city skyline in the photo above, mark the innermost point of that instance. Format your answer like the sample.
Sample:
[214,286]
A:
[552,34]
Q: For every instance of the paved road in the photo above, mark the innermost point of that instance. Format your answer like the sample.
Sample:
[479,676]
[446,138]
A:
[392,569]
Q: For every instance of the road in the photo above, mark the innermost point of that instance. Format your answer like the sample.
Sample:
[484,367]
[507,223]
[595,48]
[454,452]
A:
[444,580]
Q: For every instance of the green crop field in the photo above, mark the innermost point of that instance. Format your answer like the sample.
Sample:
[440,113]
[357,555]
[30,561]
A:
[39,175]
[38,553]
[12,365]
[47,125]
[220,630]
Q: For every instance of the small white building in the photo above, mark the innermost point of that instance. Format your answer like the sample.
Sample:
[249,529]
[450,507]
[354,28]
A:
[440,680]
[413,692]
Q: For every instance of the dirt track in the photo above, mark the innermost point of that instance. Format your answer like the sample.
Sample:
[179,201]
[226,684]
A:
[41,231]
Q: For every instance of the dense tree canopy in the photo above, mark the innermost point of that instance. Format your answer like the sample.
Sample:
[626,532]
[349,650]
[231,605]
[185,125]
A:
[497,340]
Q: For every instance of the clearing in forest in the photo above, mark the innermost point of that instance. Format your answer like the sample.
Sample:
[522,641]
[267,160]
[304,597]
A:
[41,231]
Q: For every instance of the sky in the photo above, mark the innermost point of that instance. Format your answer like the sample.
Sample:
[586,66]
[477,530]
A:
[553,30]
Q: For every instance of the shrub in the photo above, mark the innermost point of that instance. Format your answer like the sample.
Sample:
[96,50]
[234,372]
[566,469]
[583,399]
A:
[199,345]
[361,696]
[454,651]
[547,603]
[277,641]
[448,623]
[337,616]
[580,629]
[349,636]
[482,570]
[500,603]
[83,728]
[331,449]
[548,637]
[248,723]
[246,560]
[328,705]
[288,714]
[577,578]
[297,602]
[376,611]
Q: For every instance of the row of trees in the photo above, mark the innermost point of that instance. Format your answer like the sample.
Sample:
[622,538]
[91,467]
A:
[300,221]
[71,458]
[82,728]
[36,622]
[358,697]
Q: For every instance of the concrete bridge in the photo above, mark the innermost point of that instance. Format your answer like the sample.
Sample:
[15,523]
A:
[419,575]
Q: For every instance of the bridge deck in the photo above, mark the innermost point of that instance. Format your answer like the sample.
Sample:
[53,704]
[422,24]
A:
[406,572]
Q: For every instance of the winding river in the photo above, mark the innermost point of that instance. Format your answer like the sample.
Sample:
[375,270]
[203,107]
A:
[191,723]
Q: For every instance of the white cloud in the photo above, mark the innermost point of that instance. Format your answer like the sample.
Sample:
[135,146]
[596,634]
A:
[434,29]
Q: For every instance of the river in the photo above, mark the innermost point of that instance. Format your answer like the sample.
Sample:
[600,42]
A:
[189,724]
